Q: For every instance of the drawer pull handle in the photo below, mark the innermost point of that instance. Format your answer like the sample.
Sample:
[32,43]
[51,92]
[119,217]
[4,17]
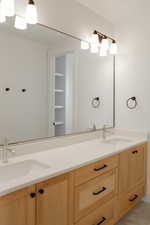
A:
[101,168]
[135,152]
[99,192]
[133,199]
[102,221]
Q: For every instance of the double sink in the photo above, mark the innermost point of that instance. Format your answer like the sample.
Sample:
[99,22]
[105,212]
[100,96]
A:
[27,168]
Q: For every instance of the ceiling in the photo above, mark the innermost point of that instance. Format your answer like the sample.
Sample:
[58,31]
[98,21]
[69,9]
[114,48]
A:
[118,11]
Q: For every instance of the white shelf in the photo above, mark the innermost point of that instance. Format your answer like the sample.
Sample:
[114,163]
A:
[59,123]
[59,91]
[59,107]
[59,75]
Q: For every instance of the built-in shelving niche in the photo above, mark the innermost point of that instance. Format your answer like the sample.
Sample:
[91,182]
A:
[59,76]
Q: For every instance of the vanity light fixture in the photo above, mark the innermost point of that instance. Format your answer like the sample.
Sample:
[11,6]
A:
[100,42]
[20,23]
[31,13]
[2,14]
[105,43]
[113,48]
[95,38]
[8,7]
[84,45]
[94,48]
[103,52]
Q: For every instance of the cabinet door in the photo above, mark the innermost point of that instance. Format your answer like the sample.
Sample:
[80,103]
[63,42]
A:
[132,168]
[55,200]
[129,200]
[18,208]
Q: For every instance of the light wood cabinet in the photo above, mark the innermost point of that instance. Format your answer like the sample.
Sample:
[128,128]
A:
[18,208]
[95,192]
[100,193]
[136,166]
[132,168]
[130,199]
[54,205]
[102,215]
[93,170]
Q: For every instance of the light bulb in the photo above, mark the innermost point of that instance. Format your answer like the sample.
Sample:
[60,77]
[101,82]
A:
[20,23]
[105,43]
[94,48]
[95,38]
[2,14]
[84,45]
[113,48]
[31,13]
[103,52]
[8,7]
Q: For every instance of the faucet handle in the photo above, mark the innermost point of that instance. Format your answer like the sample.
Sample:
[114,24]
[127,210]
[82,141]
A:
[11,151]
[105,126]
[5,142]
[94,127]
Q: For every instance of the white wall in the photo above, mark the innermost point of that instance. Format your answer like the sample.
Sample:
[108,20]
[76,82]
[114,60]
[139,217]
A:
[23,64]
[133,76]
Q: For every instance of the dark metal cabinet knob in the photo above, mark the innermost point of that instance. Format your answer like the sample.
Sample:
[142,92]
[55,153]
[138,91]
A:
[135,152]
[33,195]
[41,191]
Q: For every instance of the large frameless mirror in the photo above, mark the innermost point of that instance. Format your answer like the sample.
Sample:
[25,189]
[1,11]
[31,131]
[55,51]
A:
[49,86]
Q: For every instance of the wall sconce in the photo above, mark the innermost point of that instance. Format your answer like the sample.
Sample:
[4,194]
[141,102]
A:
[20,23]
[100,43]
[2,14]
[113,48]
[31,13]
[84,45]
[95,38]
[105,43]
[7,9]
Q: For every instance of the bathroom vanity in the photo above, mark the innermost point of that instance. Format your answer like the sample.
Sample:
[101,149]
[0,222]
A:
[85,177]
[95,192]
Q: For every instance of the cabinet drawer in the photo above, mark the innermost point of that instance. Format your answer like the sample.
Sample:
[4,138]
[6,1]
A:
[131,199]
[95,169]
[102,215]
[94,193]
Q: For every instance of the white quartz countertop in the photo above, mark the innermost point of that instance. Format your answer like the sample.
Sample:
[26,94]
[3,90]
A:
[60,160]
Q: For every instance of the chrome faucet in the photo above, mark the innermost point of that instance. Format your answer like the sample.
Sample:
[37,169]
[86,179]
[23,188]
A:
[5,151]
[105,131]
[94,127]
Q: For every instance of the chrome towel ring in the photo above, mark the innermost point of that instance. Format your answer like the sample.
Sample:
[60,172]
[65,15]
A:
[95,102]
[131,103]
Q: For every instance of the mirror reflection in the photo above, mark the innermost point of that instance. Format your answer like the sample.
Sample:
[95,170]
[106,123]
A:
[49,86]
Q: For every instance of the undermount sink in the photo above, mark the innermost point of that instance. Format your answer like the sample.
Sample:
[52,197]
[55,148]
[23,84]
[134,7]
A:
[118,140]
[20,170]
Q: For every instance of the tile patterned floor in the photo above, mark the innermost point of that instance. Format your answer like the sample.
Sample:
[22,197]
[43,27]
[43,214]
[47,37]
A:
[140,215]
